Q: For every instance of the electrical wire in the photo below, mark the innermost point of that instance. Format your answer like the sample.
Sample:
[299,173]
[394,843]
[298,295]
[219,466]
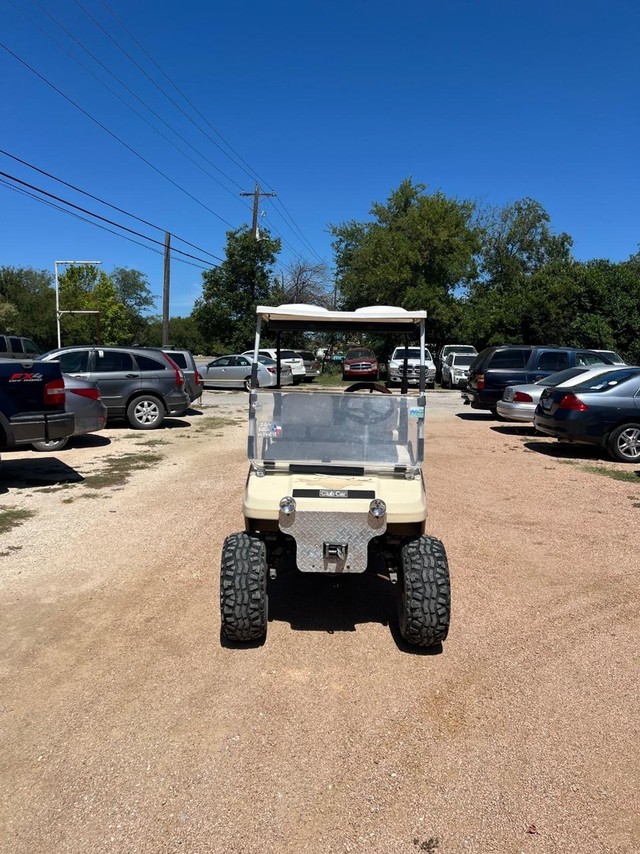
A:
[111,134]
[96,224]
[108,204]
[127,88]
[251,173]
[97,216]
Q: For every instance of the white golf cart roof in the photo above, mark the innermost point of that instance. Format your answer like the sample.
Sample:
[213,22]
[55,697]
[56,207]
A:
[379,318]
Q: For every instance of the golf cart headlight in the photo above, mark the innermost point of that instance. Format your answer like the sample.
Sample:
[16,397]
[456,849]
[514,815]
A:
[287,505]
[377,508]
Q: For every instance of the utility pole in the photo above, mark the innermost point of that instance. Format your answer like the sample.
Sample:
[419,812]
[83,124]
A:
[165,290]
[256,200]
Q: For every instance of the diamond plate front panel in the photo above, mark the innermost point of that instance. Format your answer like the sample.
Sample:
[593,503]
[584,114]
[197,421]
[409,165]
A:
[313,531]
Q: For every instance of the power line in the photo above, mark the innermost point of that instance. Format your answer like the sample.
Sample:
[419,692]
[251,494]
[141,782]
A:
[97,216]
[111,134]
[108,204]
[96,224]
[131,92]
[252,172]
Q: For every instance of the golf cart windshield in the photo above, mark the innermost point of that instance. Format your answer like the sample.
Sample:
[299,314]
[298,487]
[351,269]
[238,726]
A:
[365,431]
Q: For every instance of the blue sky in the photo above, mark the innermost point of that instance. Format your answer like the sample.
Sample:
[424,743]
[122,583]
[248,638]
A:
[331,104]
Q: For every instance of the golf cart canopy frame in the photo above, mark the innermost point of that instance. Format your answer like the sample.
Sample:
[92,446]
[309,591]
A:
[314,318]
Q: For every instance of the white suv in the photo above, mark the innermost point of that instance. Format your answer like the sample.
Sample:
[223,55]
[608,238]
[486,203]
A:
[287,357]
[396,365]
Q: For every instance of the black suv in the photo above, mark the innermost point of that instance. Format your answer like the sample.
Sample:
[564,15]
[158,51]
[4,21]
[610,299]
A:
[497,367]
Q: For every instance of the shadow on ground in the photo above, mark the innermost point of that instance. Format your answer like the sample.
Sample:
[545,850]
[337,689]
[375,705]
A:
[320,603]
[35,471]
[476,416]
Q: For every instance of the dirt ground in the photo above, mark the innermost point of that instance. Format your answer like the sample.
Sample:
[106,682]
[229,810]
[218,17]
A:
[126,726]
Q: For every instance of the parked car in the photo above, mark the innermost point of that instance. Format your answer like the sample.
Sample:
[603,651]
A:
[612,356]
[519,401]
[360,363]
[603,411]
[141,385]
[287,357]
[395,367]
[312,365]
[234,371]
[18,347]
[451,348]
[187,364]
[495,368]
[455,370]
[82,399]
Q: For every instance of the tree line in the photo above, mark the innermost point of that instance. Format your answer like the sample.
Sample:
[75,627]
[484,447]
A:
[484,275]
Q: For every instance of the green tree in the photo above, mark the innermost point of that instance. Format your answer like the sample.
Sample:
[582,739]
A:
[86,288]
[133,292]
[418,252]
[27,304]
[225,314]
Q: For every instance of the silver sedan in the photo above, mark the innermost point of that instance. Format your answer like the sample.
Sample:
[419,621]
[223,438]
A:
[519,401]
[234,371]
[82,397]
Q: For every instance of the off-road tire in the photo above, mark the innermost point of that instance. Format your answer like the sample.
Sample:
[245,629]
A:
[424,604]
[243,588]
[145,412]
[624,443]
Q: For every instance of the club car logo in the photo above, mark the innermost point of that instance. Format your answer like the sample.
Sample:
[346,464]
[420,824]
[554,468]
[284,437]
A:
[334,493]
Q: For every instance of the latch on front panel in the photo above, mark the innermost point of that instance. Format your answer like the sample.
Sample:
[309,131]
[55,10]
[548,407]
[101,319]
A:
[335,551]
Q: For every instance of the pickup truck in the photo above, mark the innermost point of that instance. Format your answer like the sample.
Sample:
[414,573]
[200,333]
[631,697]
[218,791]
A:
[32,403]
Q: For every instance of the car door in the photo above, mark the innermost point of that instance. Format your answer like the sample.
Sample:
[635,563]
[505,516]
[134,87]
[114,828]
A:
[117,377]
[240,369]
[218,371]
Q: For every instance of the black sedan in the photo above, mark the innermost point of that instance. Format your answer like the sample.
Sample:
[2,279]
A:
[603,411]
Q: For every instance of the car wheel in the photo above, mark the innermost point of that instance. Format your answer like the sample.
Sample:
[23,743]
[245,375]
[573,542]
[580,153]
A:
[624,443]
[145,412]
[243,588]
[247,384]
[424,604]
[53,445]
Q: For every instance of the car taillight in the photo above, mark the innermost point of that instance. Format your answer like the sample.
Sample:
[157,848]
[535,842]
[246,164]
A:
[522,397]
[54,393]
[91,393]
[570,401]
[272,370]
[176,370]
[198,378]
[480,380]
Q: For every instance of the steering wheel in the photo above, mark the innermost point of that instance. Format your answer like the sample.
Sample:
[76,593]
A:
[360,409]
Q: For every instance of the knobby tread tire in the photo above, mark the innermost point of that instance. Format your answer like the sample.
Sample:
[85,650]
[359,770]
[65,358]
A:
[425,592]
[243,588]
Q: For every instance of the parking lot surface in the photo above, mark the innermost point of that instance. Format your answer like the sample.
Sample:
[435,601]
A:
[127,726]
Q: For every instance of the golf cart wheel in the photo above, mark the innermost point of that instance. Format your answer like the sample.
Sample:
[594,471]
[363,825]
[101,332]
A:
[425,592]
[624,443]
[243,588]
[145,412]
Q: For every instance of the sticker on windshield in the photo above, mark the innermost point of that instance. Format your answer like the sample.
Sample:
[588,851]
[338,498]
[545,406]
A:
[416,412]
[269,428]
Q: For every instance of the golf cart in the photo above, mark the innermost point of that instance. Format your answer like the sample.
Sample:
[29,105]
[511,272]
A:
[335,485]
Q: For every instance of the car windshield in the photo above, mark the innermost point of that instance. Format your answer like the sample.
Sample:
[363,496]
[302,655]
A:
[360,353]
[461,348]
[289,354]
[266,360]
[376,432]
[412,353]
[561,377]
[463,361]
[608,380]
[306,355]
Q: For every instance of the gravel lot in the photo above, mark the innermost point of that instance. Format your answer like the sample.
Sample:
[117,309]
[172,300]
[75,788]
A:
[128,727]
